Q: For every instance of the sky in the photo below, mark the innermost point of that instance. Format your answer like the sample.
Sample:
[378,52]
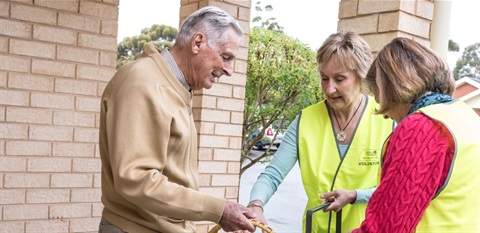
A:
[321,15]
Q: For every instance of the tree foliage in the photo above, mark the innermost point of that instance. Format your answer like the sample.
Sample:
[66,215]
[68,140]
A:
[281,80]
[468,65]
[270,23]
[453,46]
[131,47]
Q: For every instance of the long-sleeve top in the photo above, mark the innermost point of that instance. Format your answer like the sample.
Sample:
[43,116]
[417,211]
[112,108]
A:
[281,164]
[417,162]
[148,148]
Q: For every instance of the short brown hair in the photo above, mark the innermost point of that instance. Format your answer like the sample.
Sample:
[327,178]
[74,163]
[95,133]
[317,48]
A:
[404,70]
[349,50]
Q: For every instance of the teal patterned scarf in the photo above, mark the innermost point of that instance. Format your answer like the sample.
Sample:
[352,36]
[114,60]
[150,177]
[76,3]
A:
[429,99]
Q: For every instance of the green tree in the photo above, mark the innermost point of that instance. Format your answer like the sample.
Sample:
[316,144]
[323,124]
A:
[281,80]
[468,65]
[131,47]
[453,46]
[270,23]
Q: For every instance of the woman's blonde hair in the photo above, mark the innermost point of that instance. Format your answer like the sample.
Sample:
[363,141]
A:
[404,70]
[349,50]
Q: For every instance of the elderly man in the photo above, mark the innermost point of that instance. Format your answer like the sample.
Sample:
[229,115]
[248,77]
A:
[148,140]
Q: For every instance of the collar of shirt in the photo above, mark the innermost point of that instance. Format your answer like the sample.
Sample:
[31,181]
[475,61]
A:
[173,66]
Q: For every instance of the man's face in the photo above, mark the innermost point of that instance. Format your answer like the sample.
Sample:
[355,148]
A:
[211,63]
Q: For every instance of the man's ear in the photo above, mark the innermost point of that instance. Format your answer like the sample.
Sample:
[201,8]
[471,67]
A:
[197,39]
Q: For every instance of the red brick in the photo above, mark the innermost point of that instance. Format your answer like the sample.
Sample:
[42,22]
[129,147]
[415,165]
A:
[84,225]
[2,116]
[235,143]
[237,118]
[47,164]
[3,79]
[87,165]
[219,89]
[214,191]
[7,226]
[33,14]
[4,12]
[12,196]
[233,168]
[71,180]
[108,59]
[29,115]
[32,49]
[53,68]
[50,133]
[230,104]
[97,209]
[76,54]
[14,63]
[99,10]
[86,135]
[95,73]
[225,180]
[213,141]
[73,149]
[47,225]
[30,82]
[86,195]
[69,211]
[22,180]
[87,104]
[226,155]
[56,35]
[28,148]
[72,86]
[212,167]
[36,196]
[228,129]
[79,22]
[57,101]
[70,118]
[97,42]
[11,97]
[97,121]
[109,27]
[15,29]
[97,180]
[13,131]
[25,212]
[101,87]
[212,115]
[2,152]
[68,5]
[3,44]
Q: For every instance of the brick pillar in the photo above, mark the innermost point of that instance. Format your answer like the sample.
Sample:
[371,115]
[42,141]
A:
[381,21]
[55,60]
[218,114]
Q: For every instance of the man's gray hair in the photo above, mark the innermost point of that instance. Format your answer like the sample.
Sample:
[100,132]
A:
[211,21]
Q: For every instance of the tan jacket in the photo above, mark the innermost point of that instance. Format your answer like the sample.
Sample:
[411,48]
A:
[148,148]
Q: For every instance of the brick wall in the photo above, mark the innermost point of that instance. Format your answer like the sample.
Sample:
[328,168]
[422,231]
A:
[55,60]
[381,21]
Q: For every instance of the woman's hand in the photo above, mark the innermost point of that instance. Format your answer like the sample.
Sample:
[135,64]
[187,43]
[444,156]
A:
[339,199]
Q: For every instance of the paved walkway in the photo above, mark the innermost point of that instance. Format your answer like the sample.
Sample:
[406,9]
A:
[285,209]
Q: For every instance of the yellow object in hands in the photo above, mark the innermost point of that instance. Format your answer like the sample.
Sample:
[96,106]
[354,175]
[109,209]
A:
[255,223]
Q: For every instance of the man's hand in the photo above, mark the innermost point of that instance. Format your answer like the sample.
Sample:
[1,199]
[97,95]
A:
[236,217]
[339,199]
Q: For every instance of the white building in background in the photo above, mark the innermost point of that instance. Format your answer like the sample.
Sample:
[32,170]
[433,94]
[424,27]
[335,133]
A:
[468,90]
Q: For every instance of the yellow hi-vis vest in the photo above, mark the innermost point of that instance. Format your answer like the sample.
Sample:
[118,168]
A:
[456,205]
[323,169]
